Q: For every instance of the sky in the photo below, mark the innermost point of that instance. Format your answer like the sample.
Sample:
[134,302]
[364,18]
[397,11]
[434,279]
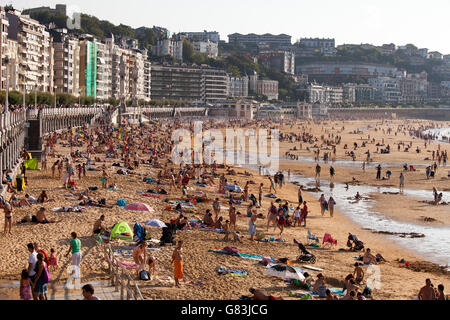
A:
[422,23]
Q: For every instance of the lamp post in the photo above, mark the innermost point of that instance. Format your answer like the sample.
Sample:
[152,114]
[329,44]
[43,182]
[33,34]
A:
[79,98]
[55,95]
[35,96]
[6,62]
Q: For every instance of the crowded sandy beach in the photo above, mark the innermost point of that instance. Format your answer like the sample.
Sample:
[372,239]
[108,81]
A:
[350,213]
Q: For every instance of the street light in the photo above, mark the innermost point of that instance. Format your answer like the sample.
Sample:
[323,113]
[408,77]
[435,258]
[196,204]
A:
[6,62]
[79,98]
[55,95]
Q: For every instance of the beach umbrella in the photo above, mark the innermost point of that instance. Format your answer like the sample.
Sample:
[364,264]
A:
[155,223]
[139,207]
[284,272]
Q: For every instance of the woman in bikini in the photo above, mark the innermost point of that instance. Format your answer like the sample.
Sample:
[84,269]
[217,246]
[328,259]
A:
[8,215]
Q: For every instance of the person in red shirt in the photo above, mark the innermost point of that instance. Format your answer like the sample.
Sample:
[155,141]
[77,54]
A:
[304,213]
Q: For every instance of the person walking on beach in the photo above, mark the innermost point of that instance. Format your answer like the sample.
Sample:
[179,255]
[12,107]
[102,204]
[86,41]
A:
[140,256]
[177,260]
[331,204]
[318,169]
[272,185]
[331,173]
[75,248]
[402,182]
[39,284]
[379,172]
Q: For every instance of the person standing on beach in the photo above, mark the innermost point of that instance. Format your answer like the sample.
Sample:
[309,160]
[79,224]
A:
[7,208]
[402,182]
[75,248]
[177,260]
[260,194]
[252,226]
[300,197]
[232,216]
[427,292]
[379,172]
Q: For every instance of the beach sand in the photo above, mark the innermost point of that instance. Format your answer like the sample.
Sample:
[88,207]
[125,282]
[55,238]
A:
[199,264]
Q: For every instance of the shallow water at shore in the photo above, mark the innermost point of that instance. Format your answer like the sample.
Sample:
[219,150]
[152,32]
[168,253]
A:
[440,133]
[435,246]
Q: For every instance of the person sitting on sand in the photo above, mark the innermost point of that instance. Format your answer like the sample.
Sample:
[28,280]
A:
[30,199]
[349,296]
[42,218]
[18,203]
[427,292]
[358,196]
[369,258]
[99,225]
[358,273]
[218,224]
[207,219]
[441,295]
[43,197]
[320,286]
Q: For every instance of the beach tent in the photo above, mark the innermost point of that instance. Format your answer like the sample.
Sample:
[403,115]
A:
[284,272]
[139,207]
[31,164]
[121,230]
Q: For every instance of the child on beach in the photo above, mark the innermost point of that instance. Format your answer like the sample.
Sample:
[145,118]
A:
[25,286]
[53,260]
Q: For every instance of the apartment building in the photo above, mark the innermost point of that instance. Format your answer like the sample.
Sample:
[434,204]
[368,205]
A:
[147,80]
[66,62]
[413,87]
[204,36]
[326,46]
[387,89]
[210,48]
[238,87]
[88,68]
[169,47]
[177,83]
[35,52]
[283,61]
[365,93]
[264,87]
[349,93]
[216,84]
[252,39]
[4,49]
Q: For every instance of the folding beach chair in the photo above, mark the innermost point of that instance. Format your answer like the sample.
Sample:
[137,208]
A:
[311,237]
[328,239]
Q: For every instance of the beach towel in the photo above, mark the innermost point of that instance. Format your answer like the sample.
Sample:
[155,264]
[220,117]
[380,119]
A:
[242,255]
[178,269]
[271,195]
[231,272]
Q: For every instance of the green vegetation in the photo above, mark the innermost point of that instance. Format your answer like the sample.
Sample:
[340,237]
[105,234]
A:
[16,98]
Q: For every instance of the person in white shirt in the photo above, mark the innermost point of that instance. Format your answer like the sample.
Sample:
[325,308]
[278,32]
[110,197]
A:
[32,260]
